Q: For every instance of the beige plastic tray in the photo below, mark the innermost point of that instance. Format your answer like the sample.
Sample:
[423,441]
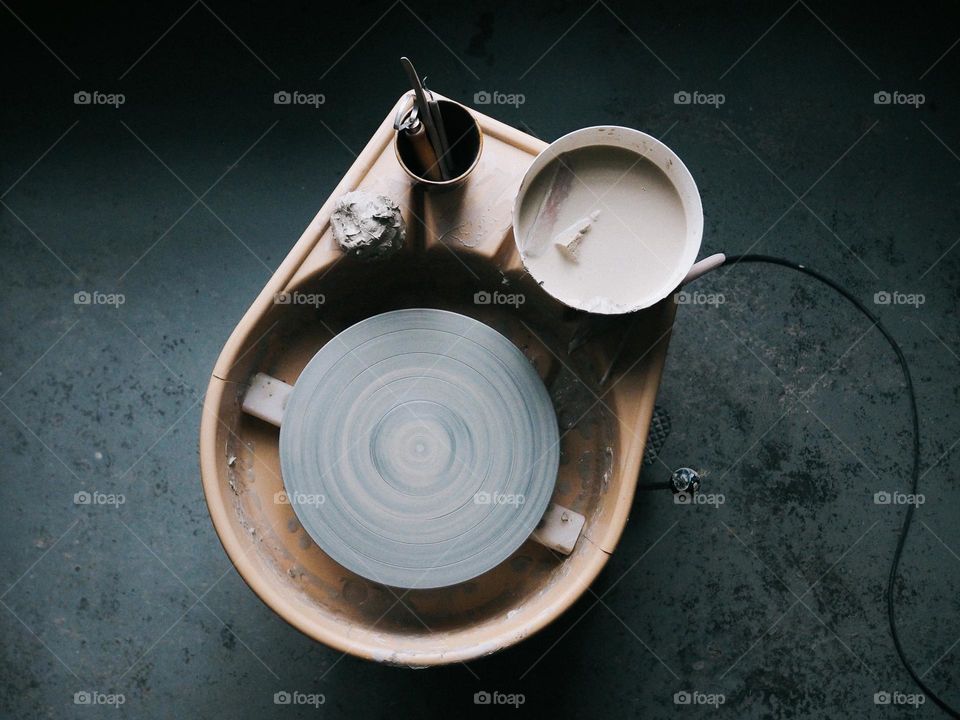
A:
[459,243]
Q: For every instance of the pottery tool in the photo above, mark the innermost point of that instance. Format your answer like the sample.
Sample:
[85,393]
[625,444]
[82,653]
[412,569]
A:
[419,448]
[429,116]
[434,107]
[408,122]
[568,241]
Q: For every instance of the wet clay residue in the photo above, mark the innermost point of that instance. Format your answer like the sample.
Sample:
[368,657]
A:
[355,591]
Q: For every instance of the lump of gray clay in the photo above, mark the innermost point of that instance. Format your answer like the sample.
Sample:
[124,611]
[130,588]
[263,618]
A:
[367,225]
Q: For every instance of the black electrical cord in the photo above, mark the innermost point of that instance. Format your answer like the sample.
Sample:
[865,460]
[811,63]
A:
[908,518]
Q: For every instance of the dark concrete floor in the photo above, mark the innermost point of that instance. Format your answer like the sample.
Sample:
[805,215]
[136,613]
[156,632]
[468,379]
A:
[774,600]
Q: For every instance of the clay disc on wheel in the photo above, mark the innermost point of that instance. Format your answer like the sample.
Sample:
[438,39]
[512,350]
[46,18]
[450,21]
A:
[419,448]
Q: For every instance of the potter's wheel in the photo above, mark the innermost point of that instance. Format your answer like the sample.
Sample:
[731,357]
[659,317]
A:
[419,448]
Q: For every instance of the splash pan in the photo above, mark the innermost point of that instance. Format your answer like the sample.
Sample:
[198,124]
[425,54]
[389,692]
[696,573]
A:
[459,257]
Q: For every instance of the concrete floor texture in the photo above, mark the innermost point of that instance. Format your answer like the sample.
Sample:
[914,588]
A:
[182,201]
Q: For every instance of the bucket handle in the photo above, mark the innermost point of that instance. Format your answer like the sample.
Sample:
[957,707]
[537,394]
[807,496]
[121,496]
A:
[704,266]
